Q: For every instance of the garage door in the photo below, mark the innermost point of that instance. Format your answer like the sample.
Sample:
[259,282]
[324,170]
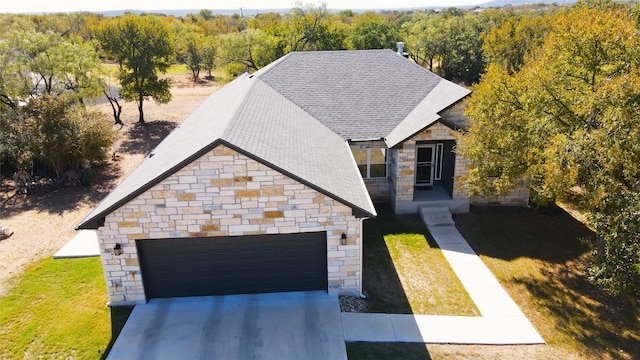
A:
[234,265]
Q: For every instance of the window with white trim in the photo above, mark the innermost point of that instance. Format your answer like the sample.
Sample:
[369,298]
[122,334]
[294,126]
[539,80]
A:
[438,169]
[372,162]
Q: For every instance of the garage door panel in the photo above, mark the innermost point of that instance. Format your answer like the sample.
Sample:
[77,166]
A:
[234,265]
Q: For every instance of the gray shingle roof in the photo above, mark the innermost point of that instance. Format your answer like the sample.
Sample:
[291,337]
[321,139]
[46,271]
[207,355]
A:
[271,128]
[360,95]
[295,115]
[256,120]
[426,112]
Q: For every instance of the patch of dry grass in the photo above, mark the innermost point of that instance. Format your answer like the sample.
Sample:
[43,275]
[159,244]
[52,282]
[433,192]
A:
[538,257]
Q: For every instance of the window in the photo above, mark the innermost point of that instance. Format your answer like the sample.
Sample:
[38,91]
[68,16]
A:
[372,162]
[439,151]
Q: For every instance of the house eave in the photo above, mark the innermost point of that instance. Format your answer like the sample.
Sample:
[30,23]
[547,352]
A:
[93,222]
[358,211]
[441,120]
[97,220]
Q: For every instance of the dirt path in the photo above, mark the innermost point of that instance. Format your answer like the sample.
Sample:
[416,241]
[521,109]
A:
[43,224]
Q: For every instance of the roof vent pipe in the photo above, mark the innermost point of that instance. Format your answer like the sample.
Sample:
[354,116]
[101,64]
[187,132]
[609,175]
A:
[401,52]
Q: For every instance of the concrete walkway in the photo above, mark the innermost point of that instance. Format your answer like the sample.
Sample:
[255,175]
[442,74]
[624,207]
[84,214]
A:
[84,244]
[502,322]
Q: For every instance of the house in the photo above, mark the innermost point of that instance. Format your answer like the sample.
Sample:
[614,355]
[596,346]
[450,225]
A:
[265,186]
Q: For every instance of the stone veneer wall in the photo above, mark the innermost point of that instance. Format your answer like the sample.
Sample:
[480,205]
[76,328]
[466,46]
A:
[225,193]
[405,161]
[378,189]
[456,114]
[517,197]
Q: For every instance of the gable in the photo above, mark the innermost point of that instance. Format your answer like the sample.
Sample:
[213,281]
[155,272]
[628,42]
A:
[226,193]
[427,112]
[297,115]
[253,118]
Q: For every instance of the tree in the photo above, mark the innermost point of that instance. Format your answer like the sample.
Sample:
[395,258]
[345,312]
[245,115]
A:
[269,22]
[47,63]
[250,50]
[568,123]
[111,93]
[372,31]
[190,49]
[206,14]
[15,81]
[221,24]
[425,39]
[518,37]
[462,58]
[62,134]
[209,55]
[142,46]
[309,28]
[14,138]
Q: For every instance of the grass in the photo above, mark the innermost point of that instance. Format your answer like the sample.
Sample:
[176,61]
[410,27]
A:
[175,69]
[537,255]
[406,273]
[178,69]
[56,309]
[387,351]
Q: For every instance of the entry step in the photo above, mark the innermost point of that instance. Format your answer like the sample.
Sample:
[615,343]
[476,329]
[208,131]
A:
[436,216]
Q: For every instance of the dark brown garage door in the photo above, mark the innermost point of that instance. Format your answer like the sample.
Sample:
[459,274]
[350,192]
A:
[234,265]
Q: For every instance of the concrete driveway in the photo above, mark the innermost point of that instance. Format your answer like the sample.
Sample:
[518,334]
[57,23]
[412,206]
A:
[298,325]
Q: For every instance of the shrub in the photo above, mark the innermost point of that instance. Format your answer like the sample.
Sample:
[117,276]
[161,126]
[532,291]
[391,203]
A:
[55,131]
[617,247]
[96,135]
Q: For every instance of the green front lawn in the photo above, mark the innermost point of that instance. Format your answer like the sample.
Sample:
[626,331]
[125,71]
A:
[406,273]
[387,351]
[537,255]
[56,310]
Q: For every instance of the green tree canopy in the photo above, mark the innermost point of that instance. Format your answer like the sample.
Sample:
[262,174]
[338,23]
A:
[568,123]
[450,43]
[310,28]
[191,44]
[518,37]
[425,39]
[250,50]
[46,63]
[53,130]
[372,31]
[143,47]
[462,58]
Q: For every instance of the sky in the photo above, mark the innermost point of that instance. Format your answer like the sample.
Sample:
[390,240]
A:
[47,6]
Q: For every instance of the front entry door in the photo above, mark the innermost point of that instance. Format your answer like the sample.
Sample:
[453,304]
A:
[425,159]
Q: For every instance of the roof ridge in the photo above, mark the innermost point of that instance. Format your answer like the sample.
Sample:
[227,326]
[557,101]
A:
[238,109]
[296,104]
[359,94]
[286,137]
[264,70]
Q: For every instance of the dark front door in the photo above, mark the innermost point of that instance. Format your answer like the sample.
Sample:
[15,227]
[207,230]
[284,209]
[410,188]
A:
[234,265]
[425,159]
